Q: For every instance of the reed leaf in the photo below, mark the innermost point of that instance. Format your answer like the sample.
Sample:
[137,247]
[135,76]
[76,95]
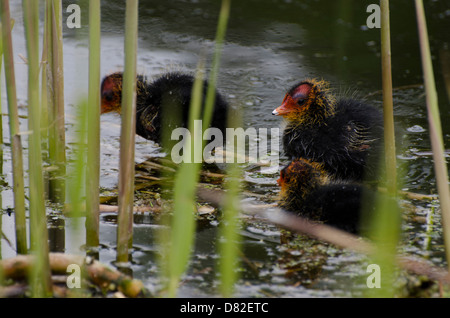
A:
[1,142]
[77,173]
[437,141]
[388,104]
[229,228]
[14,130]
[385,222]
[93,128]
[1,117]
[182,228]
[385,233]
[183,221]
[127,135]
[57,139]
[44,82]
[229,232]
[445,62]
[220,37]
[40,273]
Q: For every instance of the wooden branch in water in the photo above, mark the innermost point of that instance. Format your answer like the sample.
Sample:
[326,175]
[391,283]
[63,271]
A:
[418,196]
[316,230]
[271,213]
[348,241]
[154,165]
[412,195]
[101,275]
[137,209]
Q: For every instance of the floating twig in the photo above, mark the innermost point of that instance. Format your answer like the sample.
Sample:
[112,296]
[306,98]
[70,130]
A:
[325,233]
[99,274]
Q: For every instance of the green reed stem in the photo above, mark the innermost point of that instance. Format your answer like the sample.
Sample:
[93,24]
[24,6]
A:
[437,142]
[77,176]
[229,232]
[385,221]
[57,139]
[40,276]
[44,82]
[1,145]
[127,137]
[388,104]
[220,37]
[93,128]
[182,232]
[183,221]
[1,117]
[385,226]
[14,128]
[229,227]
[445,62]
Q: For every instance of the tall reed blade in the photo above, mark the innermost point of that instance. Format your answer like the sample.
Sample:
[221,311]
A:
[385,226]
[14,129]
[388,105]
[44,83]
[229,232]
[437,142]
[1,141]
[182,227]
[220,37]
[40,276]
[57,139]
[183,221]
[445,62]
[93,128]
[385,220]
[77,174]
[127,135]
[1,117]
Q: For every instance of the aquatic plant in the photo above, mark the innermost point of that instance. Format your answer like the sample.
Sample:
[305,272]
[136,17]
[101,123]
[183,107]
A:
[55,100]
[182,225]
[14,129]
[93,127]
[40,276]
[437,141]
[127,135]
[388,104]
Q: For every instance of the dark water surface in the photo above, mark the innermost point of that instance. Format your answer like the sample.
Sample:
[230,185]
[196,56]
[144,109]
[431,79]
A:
[270,45]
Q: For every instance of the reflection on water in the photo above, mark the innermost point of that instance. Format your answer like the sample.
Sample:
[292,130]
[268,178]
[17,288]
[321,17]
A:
[270,45]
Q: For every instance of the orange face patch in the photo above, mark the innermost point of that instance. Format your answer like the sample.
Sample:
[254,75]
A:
[295,103]
[111,93]
[286,107]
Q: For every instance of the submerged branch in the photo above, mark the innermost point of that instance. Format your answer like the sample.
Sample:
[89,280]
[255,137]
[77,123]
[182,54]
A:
[270,213]
[101,275]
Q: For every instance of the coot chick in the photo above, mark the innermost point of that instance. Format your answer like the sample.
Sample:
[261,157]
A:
[308,191]
[344,135]
[162,104]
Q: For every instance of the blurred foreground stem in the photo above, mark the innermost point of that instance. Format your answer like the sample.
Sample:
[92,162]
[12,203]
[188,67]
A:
[437,142]
[127,135]
[14,129]
[40,276]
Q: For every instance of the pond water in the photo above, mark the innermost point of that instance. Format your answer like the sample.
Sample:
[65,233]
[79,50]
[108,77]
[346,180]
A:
[270,45]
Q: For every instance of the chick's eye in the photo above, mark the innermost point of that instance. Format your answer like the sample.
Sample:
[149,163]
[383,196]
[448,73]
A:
[108,96]
[300,101]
